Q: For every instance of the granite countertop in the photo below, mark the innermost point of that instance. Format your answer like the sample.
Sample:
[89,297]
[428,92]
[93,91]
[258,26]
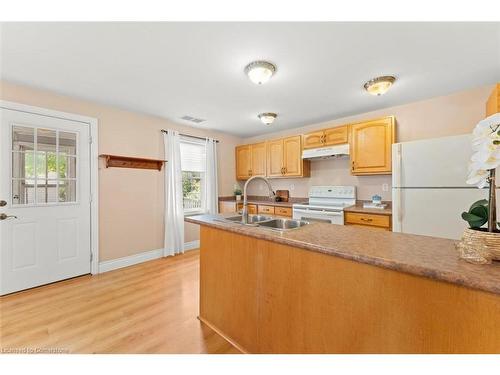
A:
[358,208]
[266,200]
[431,257]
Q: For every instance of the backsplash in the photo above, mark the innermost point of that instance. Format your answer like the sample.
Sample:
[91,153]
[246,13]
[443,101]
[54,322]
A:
[328,172]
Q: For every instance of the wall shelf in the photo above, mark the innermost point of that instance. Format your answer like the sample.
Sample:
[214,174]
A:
[131,162]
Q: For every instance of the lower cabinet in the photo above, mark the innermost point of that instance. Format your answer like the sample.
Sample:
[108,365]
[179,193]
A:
[226,207]
[376,221]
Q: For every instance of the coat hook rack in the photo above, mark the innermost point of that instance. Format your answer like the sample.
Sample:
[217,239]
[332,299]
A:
[132,162]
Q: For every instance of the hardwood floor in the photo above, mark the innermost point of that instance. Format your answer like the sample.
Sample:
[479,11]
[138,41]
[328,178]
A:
[148,308]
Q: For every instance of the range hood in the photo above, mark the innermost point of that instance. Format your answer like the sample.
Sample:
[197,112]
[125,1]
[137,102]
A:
[326,152]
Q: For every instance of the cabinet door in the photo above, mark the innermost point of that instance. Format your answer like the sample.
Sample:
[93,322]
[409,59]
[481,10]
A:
[243,162]
[275,158]
[313,140]
[493,103]
[259,157]
[292,156]
[252,209]
[371,145]
[336,136]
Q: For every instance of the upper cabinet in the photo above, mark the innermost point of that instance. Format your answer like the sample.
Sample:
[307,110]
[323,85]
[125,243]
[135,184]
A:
[493,103]
[326,137]
[371,146]
[284,158]
[250,161]
[277,158]
[370,149]
[259,155]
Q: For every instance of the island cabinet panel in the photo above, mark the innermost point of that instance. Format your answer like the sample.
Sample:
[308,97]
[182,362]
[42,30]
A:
[267,297]
[229,285]
[371,146]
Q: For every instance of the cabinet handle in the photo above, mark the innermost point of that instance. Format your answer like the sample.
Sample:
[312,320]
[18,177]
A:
[365,219]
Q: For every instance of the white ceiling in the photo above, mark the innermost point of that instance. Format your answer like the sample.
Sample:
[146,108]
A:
[176,69]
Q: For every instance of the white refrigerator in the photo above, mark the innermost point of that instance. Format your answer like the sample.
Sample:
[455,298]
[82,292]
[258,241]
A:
[429,192]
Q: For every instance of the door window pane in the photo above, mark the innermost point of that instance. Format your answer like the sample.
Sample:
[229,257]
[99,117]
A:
[23,138]
[23,164]
[23,192]
[67,191]
[46,191]
[43,166]
[46,140]
[67,166]
[67,143]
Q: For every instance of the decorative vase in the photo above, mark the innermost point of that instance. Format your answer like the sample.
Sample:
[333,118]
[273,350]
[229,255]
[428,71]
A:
[479,246]
[238,197]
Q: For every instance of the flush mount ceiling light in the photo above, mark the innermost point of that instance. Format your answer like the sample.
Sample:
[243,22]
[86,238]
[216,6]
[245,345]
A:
[267,118]
[380,85]
[260,72]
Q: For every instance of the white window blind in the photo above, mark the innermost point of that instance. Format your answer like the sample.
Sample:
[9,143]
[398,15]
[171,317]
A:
[192,156]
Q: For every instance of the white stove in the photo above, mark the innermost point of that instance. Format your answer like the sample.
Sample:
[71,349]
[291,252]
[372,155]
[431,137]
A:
[326,203]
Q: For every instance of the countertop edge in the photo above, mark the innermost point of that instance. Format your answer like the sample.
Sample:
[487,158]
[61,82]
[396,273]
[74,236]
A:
[449,277]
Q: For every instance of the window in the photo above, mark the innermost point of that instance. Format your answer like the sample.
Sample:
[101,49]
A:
[193,175]
[43,166]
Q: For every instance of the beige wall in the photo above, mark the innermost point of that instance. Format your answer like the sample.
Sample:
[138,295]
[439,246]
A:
[437,117]
[131,200]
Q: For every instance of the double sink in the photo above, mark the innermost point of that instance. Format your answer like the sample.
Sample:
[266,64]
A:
[268,222]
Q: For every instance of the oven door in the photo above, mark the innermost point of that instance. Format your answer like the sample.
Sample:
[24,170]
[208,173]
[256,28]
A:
[328,216]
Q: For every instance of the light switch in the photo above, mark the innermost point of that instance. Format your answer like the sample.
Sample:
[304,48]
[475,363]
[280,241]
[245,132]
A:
[385,187]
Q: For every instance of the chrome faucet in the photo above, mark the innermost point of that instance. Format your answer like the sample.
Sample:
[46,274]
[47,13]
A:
[244,217]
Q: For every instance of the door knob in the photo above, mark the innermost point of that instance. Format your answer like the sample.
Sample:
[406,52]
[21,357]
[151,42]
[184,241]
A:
[3,203]
[5,216]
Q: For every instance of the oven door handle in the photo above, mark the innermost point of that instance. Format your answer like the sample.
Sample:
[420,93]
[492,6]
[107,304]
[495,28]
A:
[317,212]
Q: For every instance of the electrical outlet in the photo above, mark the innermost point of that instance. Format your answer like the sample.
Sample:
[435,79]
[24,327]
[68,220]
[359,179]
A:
[292,187]
[385,187]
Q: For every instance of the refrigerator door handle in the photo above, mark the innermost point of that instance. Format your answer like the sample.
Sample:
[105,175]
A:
[398,182]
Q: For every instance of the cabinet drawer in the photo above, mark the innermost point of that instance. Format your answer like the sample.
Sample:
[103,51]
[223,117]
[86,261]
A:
[265,209]
[368,219]
[283,211]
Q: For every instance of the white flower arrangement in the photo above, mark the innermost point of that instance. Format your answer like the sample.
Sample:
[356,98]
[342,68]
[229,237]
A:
[486,149]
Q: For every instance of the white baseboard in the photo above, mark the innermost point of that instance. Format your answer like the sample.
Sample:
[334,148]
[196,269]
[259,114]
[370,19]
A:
[113,264]
[191,245]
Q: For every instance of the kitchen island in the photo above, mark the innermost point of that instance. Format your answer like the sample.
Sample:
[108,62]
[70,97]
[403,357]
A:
[326,288]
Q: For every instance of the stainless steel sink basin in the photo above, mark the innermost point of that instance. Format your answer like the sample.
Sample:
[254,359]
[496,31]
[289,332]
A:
[283,224]
[252,219]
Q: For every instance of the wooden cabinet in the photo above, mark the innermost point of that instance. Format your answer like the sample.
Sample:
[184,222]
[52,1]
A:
[251,160]
[493,103]
[371,146]
[283,211]
[314,139]
[369,220]
[275,158]
[226,207]
[265,209]
[284,158]
[326,137]
[243,162]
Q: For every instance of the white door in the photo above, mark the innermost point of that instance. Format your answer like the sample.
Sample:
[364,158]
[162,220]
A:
[45,189]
